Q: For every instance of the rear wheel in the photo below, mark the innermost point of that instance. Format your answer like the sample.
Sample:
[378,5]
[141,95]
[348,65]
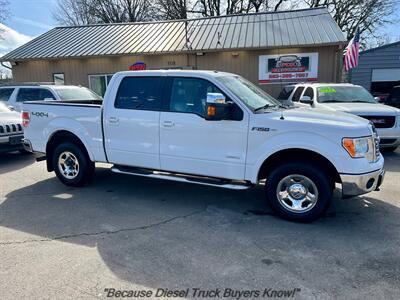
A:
[72,165]
[299,191]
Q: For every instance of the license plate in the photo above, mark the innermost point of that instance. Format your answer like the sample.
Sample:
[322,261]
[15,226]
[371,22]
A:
[15,140]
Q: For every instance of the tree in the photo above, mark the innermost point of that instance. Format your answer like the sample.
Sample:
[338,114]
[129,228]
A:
[81,12]
[366,15]
[172,9]
[4,13]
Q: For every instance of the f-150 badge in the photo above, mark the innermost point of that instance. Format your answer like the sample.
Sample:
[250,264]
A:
[262,129]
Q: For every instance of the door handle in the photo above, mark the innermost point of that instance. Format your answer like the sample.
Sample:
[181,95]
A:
[168,124]
[113,120]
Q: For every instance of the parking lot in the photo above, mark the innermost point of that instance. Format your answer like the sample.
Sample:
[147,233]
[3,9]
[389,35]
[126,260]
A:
[133,233]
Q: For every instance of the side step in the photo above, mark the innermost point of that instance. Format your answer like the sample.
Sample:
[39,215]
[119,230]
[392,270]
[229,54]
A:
[210,181]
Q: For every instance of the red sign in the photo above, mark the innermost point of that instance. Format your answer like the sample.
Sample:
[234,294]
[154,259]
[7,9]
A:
[137,66]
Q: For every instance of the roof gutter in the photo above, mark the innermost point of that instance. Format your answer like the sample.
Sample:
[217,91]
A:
[7,67]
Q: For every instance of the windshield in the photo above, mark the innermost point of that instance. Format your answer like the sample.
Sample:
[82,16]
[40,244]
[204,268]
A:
[337,93]
[248,93]
[79,93]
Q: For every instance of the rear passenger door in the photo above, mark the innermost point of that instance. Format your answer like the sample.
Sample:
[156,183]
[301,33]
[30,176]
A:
[132,123]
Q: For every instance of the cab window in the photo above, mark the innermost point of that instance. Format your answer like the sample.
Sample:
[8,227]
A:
[297,93]
[139,93]
[309,92]
[32,94]
[5,94]
[189,95]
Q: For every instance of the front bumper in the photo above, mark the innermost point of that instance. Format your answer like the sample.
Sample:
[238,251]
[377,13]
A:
[11,143]
[389,137]
[358,184]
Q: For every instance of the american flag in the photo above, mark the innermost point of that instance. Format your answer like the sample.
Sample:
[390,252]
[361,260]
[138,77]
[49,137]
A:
[351,52]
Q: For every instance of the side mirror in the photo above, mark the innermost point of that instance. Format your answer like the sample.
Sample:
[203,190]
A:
[12,108]
[377,99]
[306,100]
[216,107]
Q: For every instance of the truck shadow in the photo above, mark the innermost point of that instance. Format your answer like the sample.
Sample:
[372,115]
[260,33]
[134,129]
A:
[164,234]
[14,161]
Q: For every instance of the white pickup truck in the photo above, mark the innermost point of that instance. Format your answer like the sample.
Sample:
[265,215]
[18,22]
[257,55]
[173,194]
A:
[210,128]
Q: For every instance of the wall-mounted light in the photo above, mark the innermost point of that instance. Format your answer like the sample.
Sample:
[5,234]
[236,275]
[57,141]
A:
[14,63]
[234,54]
[199,53]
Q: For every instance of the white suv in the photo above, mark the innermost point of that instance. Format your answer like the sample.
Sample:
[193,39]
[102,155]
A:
[14,95]
[348,98]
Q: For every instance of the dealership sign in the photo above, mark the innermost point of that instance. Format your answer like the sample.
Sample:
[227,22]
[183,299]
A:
[137,66]
[288,68]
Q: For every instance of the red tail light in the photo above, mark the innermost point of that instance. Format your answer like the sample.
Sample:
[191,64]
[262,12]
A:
[26,117]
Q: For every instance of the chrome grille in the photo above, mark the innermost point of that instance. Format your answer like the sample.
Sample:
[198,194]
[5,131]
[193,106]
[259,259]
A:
[10,129]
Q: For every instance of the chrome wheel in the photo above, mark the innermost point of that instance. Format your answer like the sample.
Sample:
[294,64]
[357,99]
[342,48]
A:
[297,193]
[68,165]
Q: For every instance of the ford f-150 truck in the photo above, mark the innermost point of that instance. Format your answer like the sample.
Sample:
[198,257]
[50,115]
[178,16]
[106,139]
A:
[210,128]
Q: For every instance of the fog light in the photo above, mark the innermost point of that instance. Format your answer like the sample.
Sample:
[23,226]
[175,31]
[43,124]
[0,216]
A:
[370,183]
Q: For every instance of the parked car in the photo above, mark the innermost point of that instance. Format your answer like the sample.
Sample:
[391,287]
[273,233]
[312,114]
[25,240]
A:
[394,97]
[348,98]
[210,128]
[11,132]
[14,95]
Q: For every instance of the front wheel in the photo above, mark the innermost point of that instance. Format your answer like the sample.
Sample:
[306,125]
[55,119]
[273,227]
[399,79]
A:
[299,191]
[72,165]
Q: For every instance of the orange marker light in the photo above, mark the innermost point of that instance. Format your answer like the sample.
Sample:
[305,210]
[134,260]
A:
[211,111]
[348,144]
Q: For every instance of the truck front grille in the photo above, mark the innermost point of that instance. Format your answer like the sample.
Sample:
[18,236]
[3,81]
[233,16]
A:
[10,129]
[382,121]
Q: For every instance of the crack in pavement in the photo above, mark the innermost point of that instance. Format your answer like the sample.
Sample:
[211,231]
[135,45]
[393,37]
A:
[68,236]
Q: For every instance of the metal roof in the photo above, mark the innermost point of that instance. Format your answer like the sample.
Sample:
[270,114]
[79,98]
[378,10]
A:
[307,27]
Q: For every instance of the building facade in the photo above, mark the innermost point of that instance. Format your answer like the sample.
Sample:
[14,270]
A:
[378,69]
[269,49]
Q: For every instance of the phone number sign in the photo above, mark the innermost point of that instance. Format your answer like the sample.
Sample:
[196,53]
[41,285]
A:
[288,68]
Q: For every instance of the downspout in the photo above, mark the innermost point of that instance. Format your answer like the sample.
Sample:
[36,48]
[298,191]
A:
[7,67]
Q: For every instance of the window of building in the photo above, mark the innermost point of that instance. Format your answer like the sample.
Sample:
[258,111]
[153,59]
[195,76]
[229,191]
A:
[99,83]
[5,94]
[58,78]
[141,93]
[297,93]
[190,94]
[32,94]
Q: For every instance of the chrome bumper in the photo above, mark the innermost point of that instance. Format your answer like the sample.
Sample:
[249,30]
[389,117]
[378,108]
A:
[358,184]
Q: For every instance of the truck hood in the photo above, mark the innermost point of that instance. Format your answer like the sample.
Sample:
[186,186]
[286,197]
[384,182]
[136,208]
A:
[10,118]
[362,108]
[324,117]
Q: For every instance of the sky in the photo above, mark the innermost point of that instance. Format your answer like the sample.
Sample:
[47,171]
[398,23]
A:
[30,18]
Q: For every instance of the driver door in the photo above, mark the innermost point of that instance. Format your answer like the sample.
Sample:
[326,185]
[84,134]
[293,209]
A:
[189,143]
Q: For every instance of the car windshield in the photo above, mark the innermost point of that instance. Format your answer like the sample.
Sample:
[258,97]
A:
[336,93]
[78,93]
[254,97]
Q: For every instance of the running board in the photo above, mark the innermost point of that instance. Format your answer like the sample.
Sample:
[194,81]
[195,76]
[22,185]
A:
[216,182]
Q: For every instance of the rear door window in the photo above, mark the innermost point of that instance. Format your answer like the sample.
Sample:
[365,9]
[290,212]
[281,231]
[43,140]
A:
[285,93]
[6,93]
[139,93]
[32,94]
[297,93]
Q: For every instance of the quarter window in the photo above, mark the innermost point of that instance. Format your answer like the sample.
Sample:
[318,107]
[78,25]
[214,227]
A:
[189,95]
[297,93]
[5,94]
[142,93]
[32,94]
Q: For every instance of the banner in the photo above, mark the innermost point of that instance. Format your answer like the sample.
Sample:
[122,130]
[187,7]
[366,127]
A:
[137,66]
[288,68]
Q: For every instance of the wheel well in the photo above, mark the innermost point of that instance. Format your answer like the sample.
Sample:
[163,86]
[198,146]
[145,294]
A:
[295,155]
[56,139]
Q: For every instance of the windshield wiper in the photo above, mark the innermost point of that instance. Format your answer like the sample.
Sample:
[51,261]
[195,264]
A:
[262,107]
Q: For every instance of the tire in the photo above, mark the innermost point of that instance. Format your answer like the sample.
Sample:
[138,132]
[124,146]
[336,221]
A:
[299,181]
[72,165]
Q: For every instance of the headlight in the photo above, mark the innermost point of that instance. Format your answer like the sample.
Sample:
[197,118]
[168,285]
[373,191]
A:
[358,147]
